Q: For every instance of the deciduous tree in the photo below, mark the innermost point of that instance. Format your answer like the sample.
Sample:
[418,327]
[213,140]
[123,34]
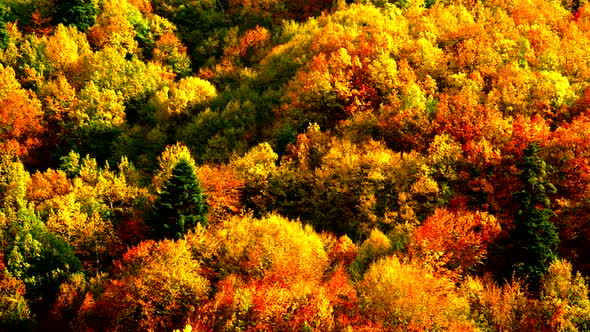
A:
[36,256]
[405,296]
[21,117]
[455,240]
[155,286]
[565,297]
[171,53]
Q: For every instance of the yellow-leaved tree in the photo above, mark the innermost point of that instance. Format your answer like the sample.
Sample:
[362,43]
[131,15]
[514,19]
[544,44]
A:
[407,296]
[272,276]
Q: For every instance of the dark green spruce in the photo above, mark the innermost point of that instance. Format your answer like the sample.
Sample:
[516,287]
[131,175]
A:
[4,37]
[535,239]
[79,13]
[181,204]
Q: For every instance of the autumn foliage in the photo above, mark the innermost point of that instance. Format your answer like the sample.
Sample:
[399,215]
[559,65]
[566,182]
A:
[457,240]
[247,165]
[21,116]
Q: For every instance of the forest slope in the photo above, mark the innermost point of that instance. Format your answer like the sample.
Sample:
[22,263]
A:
[294,165]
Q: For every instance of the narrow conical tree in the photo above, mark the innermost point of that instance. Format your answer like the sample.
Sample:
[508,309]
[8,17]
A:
[535,239]
[3,33]
[181,204]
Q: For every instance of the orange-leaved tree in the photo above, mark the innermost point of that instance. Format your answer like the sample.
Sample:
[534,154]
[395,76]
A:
[455,240]
[155,286]
[20,116]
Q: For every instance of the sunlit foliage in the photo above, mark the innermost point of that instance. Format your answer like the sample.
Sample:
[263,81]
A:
[408,297]
[217,165]
[455,240]
[20,116]
[154,286]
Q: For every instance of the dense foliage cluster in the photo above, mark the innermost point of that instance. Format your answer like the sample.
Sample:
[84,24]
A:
[227,165]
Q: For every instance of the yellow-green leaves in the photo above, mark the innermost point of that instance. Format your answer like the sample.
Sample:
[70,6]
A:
[258,163]
[186,97]
[565,298]
[406,296]
[168,160]
[100,107]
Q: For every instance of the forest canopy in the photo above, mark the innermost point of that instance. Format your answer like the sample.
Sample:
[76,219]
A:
[294,165]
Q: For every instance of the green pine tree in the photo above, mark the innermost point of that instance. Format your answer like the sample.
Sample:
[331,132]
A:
[4,37]
[181,204]
[80,13]
[535,239]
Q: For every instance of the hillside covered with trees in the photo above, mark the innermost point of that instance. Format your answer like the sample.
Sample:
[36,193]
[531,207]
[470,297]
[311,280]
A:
[290,165]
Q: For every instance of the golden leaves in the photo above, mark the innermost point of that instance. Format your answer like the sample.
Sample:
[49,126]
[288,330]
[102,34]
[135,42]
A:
[65,46]
[168,160]
[257,163]
[406,296]
[188,95]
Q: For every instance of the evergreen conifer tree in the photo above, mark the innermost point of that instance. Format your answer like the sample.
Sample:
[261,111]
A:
[80,13]
[181,204]
[535,239]
[3,33]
